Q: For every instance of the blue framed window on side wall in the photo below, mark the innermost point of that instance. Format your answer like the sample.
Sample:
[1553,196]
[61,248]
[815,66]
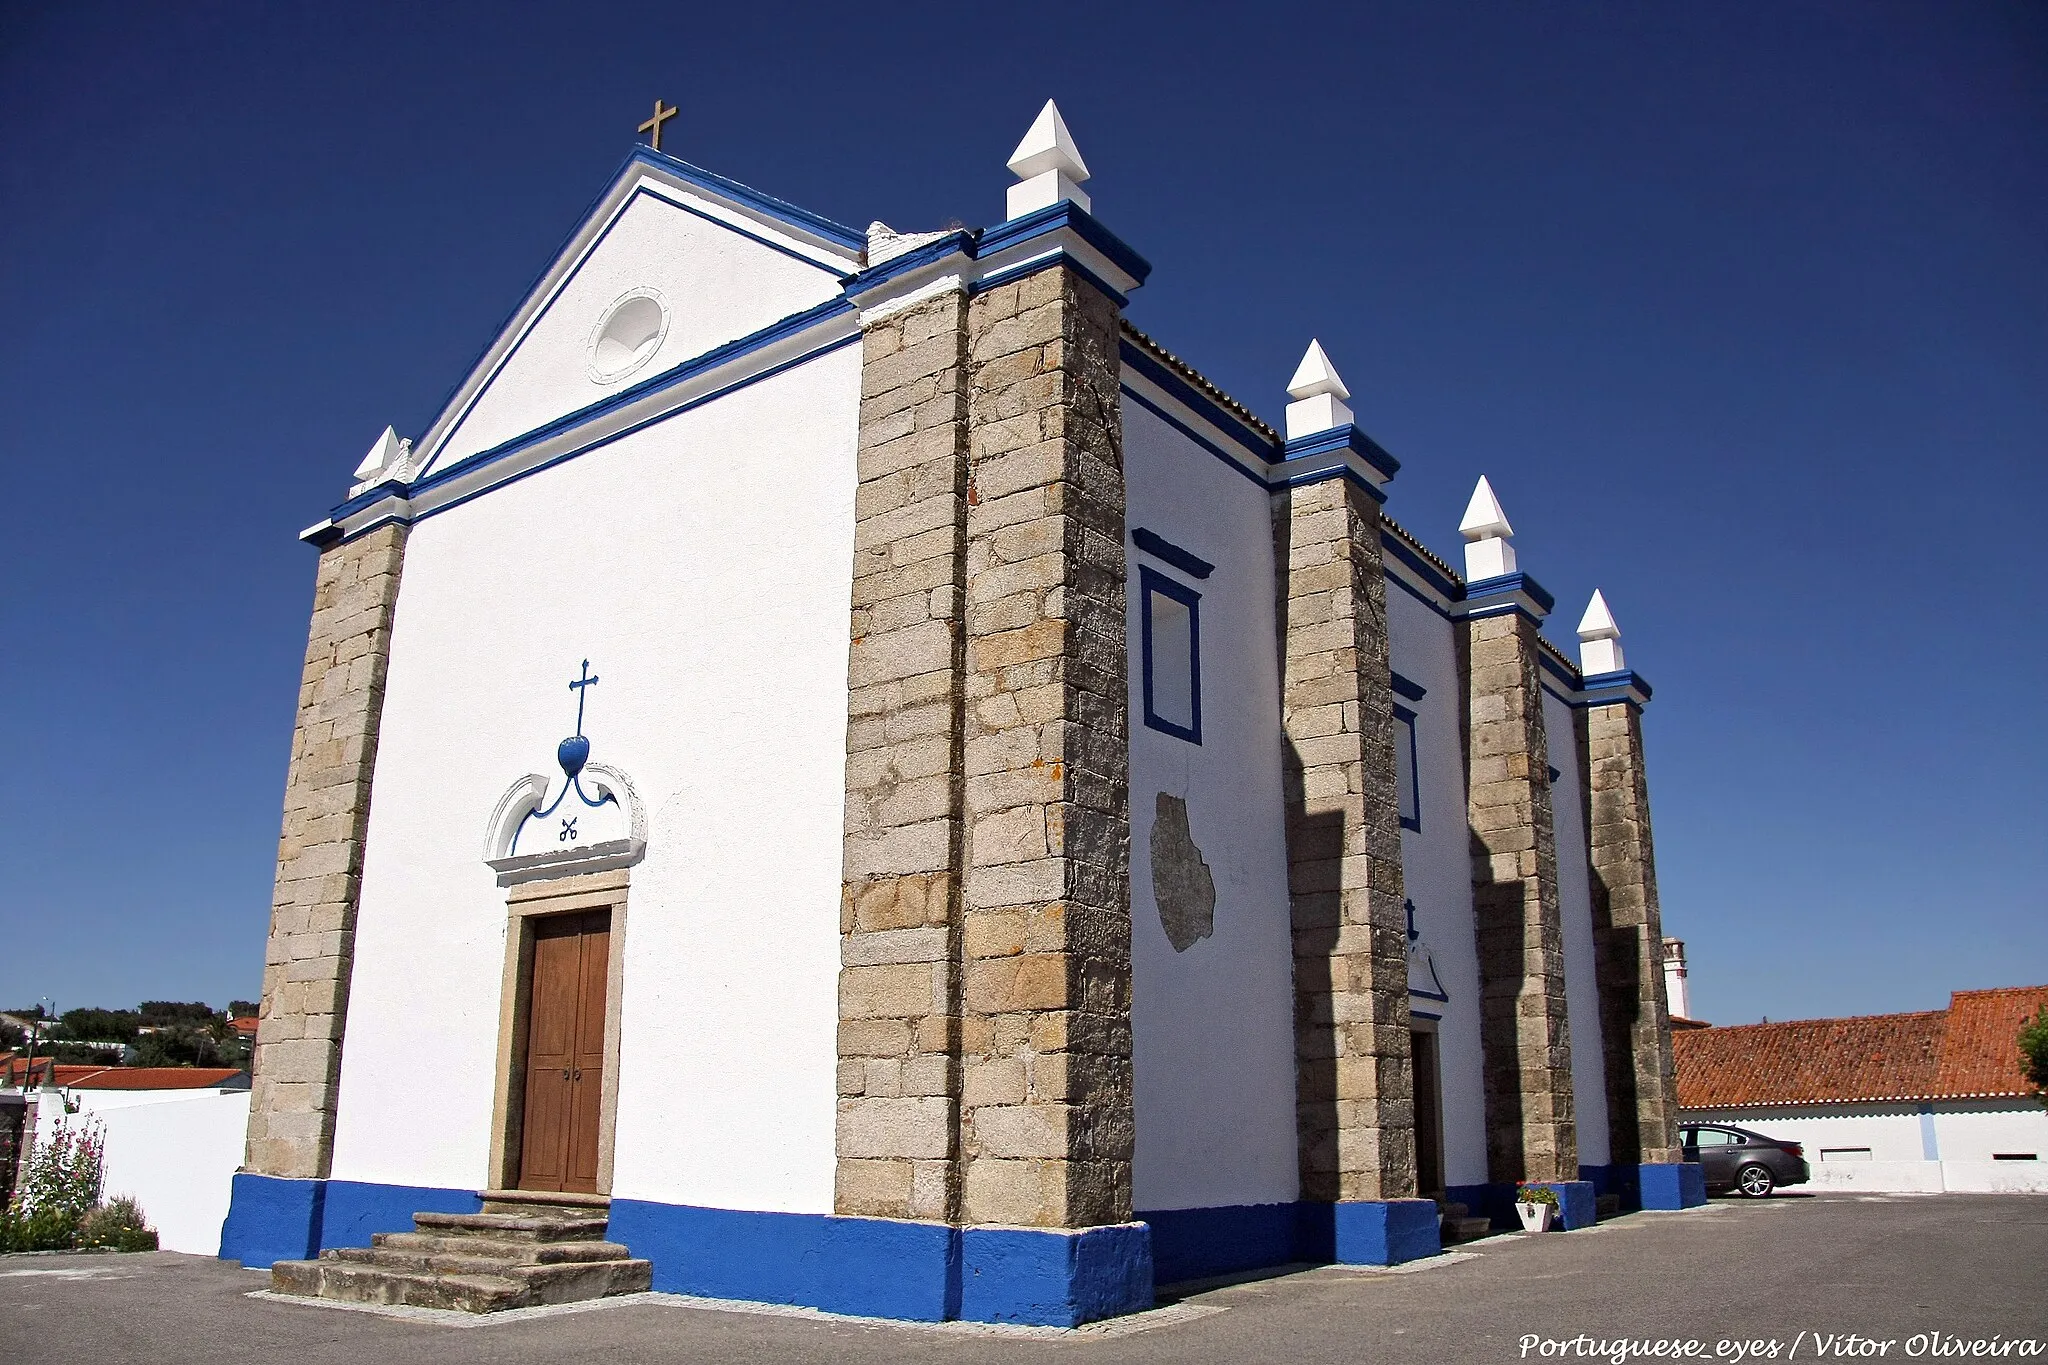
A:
[1408,786]
[1170,636]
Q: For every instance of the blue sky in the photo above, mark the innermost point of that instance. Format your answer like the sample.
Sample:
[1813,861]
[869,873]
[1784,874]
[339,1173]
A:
[1742,307]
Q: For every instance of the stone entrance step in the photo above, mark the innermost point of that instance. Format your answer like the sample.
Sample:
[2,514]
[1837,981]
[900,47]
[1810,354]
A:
[517,1253]
[1456,1224]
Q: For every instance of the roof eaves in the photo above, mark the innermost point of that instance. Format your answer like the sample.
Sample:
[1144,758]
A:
[1199,381]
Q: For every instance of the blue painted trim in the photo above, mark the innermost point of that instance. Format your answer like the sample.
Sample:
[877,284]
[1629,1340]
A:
[1575,1202]
[601,442]
[1403,716]
[1195,1244]
[1613,682]
[1451,589]
[1569,677]
[783,329]
[1054,1279]
[1151,581]
[1505,584]
[272,1218]
[1195,436]
[356,1211]
[1065,214]
[589,253]
[879,1267]
[1208,409]
[782,210]
[1347,438]
[873,1267]
[1335,471]
[1026,269]
[1406,687]
[1671,1185]
[1372,1232]
[952,244]
[1930,1148]
[1159,547]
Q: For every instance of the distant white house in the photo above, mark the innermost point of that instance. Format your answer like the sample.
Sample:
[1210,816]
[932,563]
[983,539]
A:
[173,1140]
[1931,1101]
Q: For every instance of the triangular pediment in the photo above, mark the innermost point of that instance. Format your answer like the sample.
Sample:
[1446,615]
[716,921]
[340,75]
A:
[672,262]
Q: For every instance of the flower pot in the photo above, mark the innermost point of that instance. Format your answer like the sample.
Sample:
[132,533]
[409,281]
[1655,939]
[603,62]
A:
[1537,1217]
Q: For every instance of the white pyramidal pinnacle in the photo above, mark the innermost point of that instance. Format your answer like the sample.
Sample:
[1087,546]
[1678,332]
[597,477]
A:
[1599,639]
[1048,166]
[1318,395]
[384,459]
[1485,528]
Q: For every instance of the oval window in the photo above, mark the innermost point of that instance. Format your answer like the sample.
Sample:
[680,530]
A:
[629,335]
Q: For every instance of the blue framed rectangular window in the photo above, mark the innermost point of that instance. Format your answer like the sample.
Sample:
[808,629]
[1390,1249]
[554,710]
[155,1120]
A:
[1407,783]
[1170,652]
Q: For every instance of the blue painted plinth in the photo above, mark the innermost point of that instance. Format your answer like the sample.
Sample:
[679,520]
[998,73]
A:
[354,1212]
[1370,1231]
[1575,1202]
[272,1218]
[870,1267]
[885,1268]
[1198,1244]
[1054,1279]
[1672,1185]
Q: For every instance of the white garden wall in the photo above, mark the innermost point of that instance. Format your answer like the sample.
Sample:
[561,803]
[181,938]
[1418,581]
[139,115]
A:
[175,1151]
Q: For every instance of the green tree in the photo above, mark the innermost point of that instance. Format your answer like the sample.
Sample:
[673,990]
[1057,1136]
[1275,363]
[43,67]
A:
[243,1009]
[159,1013]
[2034,1053]
[99,1026]
[177,1047]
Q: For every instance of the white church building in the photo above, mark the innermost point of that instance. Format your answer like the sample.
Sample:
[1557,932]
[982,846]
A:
[890,792]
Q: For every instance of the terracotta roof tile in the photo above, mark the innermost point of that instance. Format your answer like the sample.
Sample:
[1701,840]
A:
[159,1078]
[1981,1055]
[1968,1050]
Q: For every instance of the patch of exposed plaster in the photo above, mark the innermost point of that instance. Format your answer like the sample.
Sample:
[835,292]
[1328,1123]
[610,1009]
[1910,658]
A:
[1181,885]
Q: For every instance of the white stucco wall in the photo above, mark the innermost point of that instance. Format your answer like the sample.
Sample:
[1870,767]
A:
[1976,1130]
[1575,906]
[1436,867]
[174,1151]
[715,284]
[701,566]
[1212,1026]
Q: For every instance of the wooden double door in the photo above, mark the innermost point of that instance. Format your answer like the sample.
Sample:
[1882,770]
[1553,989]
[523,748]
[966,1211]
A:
[558,1145]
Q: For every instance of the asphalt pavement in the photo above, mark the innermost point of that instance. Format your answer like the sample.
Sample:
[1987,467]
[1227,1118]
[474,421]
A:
[1795,1277]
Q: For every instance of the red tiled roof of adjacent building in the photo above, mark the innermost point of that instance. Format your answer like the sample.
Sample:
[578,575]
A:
[158,1078]
[246,1025]
[1969,1050]
[15,1070]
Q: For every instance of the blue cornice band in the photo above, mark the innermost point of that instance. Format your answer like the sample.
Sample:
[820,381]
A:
[953,243]
[800,218]
[1507,584]
[1066,214]
[1345,438]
